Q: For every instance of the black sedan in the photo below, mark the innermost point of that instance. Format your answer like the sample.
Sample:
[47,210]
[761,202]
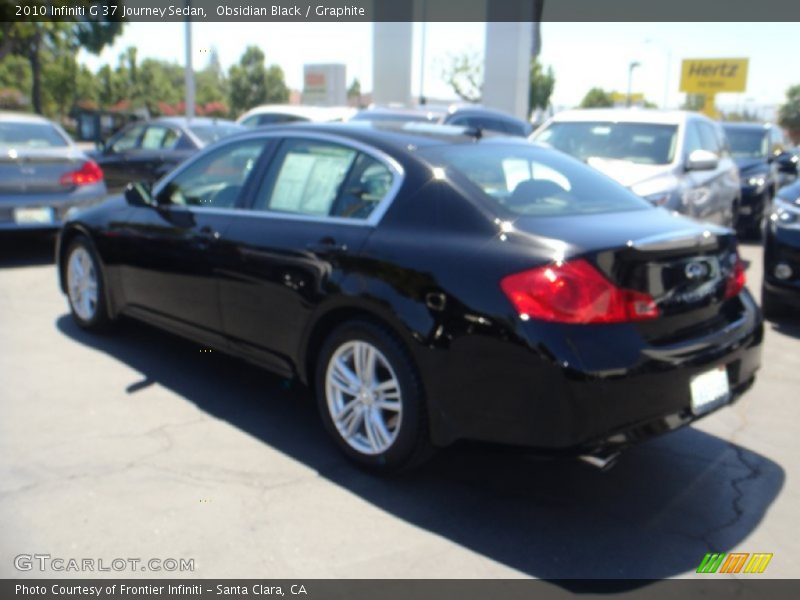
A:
[763,168]
[145,151]
[430,286]
[780,295]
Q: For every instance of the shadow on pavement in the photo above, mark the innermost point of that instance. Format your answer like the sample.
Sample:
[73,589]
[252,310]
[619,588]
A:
[26,249]
[655,515]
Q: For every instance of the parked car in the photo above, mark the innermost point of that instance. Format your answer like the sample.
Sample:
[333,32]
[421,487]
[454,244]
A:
[780,295]
[675,159]
[764,167]
[42,174]
[283,114]
[380,114]
[430,286]
[486,119]
[471,116]
[145,151]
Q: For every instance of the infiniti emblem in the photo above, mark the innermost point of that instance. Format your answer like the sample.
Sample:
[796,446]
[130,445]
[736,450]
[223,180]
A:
[697,270]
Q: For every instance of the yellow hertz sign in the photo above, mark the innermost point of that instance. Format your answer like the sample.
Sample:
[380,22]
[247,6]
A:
[713,75]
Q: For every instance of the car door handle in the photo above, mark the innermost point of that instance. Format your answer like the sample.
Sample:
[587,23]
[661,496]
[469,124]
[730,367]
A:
[326,246]
[206,236]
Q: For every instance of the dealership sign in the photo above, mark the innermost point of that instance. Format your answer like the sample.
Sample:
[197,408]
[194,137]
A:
[713,75]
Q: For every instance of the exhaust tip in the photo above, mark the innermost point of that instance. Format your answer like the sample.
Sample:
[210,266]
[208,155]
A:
[603,461]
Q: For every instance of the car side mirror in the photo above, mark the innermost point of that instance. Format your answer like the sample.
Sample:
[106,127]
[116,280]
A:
[702,160]
[787,163]
[139,194]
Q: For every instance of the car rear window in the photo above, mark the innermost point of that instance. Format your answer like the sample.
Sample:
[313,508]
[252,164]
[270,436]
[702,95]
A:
[31,135]
[641,143]
[211,133]
[529,180]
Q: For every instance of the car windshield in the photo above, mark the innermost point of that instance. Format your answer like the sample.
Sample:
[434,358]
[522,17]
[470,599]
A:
[31,135]
[640,143]
[211,133]
[529,180]
[747,143]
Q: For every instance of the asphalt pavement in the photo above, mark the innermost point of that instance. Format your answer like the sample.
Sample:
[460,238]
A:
[136,444]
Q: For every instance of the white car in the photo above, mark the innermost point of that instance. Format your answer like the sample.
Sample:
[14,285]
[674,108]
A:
[282,114]
[676,159]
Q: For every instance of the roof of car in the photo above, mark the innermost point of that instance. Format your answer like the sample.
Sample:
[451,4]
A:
[750,126]
[312,113]
[7,115]
[627,115]
[483,110]
[390,135]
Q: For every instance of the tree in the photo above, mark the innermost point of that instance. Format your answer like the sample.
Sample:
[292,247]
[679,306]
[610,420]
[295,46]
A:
[541,86]
[32,39]
[694,102]
[354,91]
[251,83]
[464,73]
[597,98]
[212,85]
[789,113]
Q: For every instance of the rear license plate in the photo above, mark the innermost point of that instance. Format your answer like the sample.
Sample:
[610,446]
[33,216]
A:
[745,210]
[34,216]
[710,390]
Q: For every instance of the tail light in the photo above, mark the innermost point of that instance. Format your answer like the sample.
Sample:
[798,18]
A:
[575,292]
[90,172]
[736,279]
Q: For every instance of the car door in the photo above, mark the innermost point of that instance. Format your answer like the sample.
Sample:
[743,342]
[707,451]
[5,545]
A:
[115,159]
[172,251]
[308,218]
[720,181]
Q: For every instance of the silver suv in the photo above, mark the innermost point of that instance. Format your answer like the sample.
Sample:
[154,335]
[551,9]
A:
[675,159]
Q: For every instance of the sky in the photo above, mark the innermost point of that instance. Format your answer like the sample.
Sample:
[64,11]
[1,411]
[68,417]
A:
[583,55]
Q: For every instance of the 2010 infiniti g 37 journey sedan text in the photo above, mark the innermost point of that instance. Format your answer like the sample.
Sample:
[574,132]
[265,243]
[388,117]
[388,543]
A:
[431,284]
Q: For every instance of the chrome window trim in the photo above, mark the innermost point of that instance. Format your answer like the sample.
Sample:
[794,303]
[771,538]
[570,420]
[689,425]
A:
[375,217]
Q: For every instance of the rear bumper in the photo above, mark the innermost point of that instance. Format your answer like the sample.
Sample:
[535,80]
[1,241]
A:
[55,205]
[551,399]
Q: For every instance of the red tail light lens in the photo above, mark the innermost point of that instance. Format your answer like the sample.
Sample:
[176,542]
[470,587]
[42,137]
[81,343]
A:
[736,279]
[90,172]
[575,292]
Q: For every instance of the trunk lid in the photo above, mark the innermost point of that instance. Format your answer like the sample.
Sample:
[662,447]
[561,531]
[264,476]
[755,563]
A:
[36,171]
[682,264]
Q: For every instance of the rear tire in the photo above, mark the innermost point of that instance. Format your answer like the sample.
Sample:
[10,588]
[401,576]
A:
[370,398]
[85,285]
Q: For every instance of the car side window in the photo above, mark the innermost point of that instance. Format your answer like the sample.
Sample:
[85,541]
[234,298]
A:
[216,179]
[708,138]
[170,139]
[128,140]
[153,137]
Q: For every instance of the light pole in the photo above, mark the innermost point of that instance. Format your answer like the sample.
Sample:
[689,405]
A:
[668,72]
[633,64]
[422,100]
[189,72]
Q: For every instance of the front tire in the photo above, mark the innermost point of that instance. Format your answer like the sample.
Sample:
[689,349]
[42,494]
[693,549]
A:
[370,398]
[85,285]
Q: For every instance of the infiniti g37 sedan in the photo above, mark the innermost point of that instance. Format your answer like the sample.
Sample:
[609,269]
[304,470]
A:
[42,174]
[430,285]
